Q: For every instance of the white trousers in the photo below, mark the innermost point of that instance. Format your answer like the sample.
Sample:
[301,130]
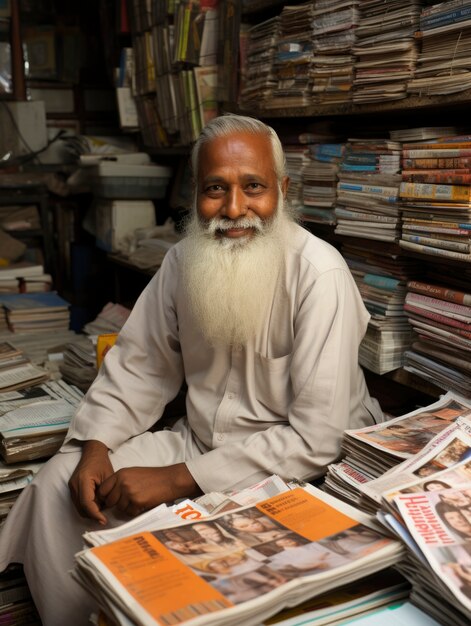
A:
[44,531]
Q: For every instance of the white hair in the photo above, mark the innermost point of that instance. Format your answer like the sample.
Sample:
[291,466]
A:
[231,123]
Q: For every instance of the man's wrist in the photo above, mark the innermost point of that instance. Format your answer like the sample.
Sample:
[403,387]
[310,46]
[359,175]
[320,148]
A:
[184,484]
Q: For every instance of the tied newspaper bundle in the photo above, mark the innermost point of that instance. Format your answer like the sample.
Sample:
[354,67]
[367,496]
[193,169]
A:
[240,564]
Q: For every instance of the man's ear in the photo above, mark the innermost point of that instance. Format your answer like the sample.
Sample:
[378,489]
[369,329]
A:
[284,186]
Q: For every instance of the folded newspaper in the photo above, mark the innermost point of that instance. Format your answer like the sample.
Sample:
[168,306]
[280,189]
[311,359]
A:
[238,566]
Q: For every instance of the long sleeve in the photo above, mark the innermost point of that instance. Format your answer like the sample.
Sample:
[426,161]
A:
[140,374]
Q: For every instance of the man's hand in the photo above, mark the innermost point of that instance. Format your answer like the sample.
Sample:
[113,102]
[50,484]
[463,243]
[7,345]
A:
[134,490]
[93,468]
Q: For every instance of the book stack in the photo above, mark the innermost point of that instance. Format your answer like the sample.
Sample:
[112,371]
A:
[294,58]
[16,604]
[368,190]
[441,319]
[297,157]
[259,78]
[334,29]
[385,50]
[381,273]
[33,312]
[443,65]
[24,277]
[436,197]
[320,177]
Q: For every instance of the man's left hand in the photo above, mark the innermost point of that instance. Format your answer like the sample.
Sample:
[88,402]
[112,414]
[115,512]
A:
[134,490]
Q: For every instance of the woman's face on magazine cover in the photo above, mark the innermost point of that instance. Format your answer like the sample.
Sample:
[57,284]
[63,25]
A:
[458,522]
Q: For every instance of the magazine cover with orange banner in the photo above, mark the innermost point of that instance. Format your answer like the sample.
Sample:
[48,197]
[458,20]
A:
[238,567]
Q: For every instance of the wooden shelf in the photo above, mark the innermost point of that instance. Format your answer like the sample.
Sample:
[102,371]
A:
[412,103]
[262,5]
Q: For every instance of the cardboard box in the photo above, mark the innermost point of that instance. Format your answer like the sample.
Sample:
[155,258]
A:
[117,219]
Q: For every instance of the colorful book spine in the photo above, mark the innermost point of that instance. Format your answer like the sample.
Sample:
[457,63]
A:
[440,7]
[435,303]
[442,293]
[450,254]
[436,163]
[438,317]
[438,145]
[450,177]
[418,153]
[435,229]
[437,243]
[452,193]
[374,189]
[448,17]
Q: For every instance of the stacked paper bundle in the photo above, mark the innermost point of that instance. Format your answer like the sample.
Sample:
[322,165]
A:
[376,453]
[294,58]
[385,50]
[436,197]
[334,28]
[368,190]
[441,318]
[32,312]
[297,157]
[320,176]
[444,62]
[301,543]
[259,80]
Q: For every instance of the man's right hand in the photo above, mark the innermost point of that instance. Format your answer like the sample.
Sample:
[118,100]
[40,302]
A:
[93,468]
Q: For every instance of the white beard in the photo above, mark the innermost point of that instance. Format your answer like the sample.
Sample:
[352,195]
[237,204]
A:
[230,283]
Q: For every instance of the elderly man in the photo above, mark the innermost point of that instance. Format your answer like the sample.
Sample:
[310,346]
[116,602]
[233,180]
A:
[261,319]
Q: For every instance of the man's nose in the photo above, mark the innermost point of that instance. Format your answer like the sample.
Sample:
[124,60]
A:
[235,203]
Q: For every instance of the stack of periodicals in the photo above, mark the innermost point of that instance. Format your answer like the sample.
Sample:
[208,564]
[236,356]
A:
[79,364]
[426,501]
[294,58]
[33,312]
[24,277]
[16,604]
[436,197]
[334,29]
[259,79]
[35,426]
[443,65]
[376,450]
[381,272]
[388,334]
[385,50]
[297,158]
[441,318]
[237,566]
[368,190]
[320,176]
[16,370]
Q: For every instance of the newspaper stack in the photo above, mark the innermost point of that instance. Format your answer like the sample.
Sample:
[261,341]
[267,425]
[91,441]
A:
[443,65]
[294,58]
[320,178]
[433,506]
[334,27]
[259,80]
[371,452]
[236,567]
[385,51]
[441,319]
[34,422]
[297,158]
[79,366]
[368,190]
[33,312]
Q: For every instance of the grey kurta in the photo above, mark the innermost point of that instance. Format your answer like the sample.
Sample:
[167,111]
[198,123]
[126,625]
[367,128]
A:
[278,405]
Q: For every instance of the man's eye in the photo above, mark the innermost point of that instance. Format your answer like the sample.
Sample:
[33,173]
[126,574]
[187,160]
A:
[214,188]
[254,186]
